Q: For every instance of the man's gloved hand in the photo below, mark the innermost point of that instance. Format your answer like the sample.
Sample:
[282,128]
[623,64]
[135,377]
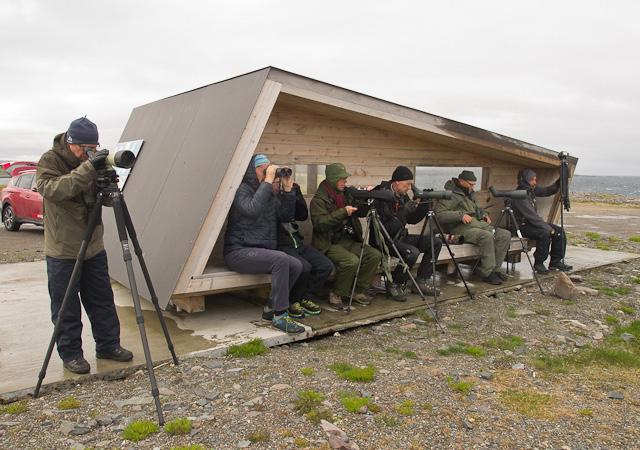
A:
[99,159]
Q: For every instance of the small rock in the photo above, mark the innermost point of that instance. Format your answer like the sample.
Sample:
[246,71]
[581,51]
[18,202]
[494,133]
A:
[576,278]
[366,394]
[468,425]
[141,400]
[598,335]
[486,375]
[575,323]
[587,291]
[580,343]
[564,287]
[560,339]
[166,391]
[409,326]
[336,334]
[195,368]
[235,370]
[66,427]
[614,270]
[615,395]
[202,402]
[338,439]
[627,337]
[214,364]
[420,322]
[280,387]
[363,409]
[237,387]
[524,312]
[244,444]
[254,401]
[518,366]
[211,396]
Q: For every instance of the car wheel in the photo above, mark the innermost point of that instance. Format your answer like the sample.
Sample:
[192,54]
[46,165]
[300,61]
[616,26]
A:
[9,219]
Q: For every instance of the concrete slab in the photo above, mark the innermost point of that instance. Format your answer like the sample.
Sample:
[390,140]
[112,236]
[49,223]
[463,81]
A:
[26,327]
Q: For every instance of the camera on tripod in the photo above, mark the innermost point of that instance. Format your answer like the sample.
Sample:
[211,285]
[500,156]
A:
[374,194]
[123,159]
[519,194]
[430,194]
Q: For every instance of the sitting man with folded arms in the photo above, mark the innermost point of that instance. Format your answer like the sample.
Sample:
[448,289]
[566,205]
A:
[462,215]
[337,232]
[252,235]
[316,267]
[395,216]
[534,227]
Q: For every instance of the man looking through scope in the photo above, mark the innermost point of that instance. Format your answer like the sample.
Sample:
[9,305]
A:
[66,179]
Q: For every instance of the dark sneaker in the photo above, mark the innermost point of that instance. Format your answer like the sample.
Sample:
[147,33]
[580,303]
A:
[362,299]
[79,365]
[396,292]
[503,276]
[117,354]
[309,307]
[296,311]
[335,301]
[286,324]
[559,265]
[540,268]
[267,315]
[492,278]
[426,286]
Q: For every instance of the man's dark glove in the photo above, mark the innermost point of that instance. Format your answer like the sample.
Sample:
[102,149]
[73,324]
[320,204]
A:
[99,159]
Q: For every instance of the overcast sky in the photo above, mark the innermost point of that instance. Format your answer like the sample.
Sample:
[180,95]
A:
[560,74]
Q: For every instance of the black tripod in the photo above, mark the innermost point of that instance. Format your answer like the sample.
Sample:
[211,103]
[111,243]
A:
[565,202]
[107,184]
[434,224]
[372,218]
[511,219]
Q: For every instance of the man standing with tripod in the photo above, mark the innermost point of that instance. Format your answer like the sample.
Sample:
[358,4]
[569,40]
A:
[66,180]
[394,217]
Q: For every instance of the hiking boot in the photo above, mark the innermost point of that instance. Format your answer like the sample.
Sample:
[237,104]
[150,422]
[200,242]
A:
[396,292]
[296,311]
[503,276]
[540,268]
[267,314]
[78,365]
[493,278]
[559,265]
[362,299]
[335,301]
[309,307]
[117,354]
[426,286]
[286,324]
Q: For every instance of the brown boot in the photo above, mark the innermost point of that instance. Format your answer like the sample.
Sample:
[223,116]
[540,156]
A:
[335,301]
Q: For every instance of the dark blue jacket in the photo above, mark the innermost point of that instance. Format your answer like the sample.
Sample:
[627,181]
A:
[255,214]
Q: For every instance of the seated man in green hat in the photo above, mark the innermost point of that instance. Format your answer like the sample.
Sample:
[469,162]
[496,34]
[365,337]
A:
[337,232]
[462,215]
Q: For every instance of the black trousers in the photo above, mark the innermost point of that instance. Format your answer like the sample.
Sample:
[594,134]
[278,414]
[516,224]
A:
[316,268]
[409,249]
[557,242]
[96,296]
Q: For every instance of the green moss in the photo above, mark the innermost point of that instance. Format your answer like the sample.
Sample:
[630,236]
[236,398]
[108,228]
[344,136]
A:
[593,236]
[406,408]
[307,400]
[585,412]
[358,374]
[509,342]
[387,420]
[353,402]
[527,403]
[603,246]
[462,348]
[409,355]
[258,436]
[69,403]
[627,309]
[394,350]
[463,387]
[635,239]
[308,371]
[316,415]
[542,311]
[511,312]
[14,408]
[178,426]
[549,363]
[611,320]
[636,280]
[249,349]
[139,430]
[301,442]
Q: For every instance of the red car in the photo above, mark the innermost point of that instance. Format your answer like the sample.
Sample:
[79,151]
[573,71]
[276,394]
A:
[21,202]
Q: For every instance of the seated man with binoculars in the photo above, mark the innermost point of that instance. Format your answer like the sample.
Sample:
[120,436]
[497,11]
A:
[395,216]
[251,238]
[462,215]
[534,227]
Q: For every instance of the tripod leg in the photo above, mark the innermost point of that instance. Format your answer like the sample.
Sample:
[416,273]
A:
[94,219]
[525,249]
[433,270]
[365,238]
[147,278]
[126,253]
[432,217]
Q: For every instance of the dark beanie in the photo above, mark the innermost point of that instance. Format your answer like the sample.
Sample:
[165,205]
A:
[402,173]
[82,131]
[527,175]
[467,175]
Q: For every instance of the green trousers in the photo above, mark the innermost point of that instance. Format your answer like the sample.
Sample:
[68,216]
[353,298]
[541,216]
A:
[493,247]
[345,256]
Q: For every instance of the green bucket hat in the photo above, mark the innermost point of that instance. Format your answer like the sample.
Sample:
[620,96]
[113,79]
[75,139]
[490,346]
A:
[334,172]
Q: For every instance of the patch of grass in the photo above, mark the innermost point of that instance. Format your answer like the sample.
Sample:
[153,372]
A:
[258,436]
[527,403]
[542,311]
[308,400]
[511,312]
[178,426]
[603,246]
[308,371]
[463,387]
[549,363]
[509,342]
[69,403]
[635,239]
[593,236]
[14,408]
[406,408]
[569,302]
[406,354]
[352,373]
[608,356]
[394,350]
[627,309]
[139,430]
[409,355]
[455,326]
[301,442]
[462,348]
[249,349]
[387,420]
[585,412]
[354,403]
[316,415]
[611,320]
[636,280]
[424,315]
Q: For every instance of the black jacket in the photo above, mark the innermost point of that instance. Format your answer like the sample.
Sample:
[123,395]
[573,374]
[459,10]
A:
[526,211]
[288,232]
[255,214]
[396,215]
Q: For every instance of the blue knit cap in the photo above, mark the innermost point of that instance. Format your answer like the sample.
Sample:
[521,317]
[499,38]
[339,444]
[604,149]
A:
[260,160]
[82,131]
